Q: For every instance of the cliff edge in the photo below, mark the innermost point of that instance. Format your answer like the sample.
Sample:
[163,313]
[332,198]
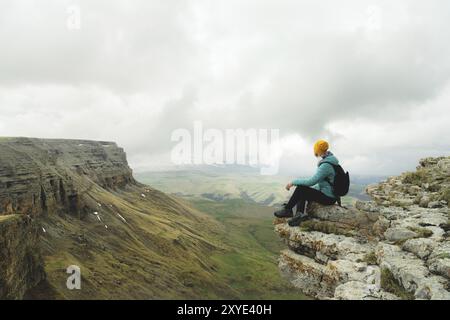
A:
[75,202]
[394,247]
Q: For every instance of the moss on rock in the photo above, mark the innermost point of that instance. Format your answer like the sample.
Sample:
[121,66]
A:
[370,258]
[390,284]
[415,178]
[325,227]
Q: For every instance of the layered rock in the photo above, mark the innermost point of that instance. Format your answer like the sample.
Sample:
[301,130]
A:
[394,247]
[38,177]
[41,175]
[21,265]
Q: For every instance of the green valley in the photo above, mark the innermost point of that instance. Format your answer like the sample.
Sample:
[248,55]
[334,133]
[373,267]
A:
[249,264]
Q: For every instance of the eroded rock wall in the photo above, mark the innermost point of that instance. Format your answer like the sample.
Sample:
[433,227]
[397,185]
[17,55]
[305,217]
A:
[21,265]
[39,177]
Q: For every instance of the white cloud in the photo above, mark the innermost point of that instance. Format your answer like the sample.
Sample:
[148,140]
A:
[371,78]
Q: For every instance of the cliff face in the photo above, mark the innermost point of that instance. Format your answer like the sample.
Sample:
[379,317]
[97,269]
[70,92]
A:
[75,202]
[38,176]
[394,247]
[21,264]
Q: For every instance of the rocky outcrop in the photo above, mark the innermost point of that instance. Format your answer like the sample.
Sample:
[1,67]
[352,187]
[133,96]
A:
[394,247]
[21,265]
[38,177]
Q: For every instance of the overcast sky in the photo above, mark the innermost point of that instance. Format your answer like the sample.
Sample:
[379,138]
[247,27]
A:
[372,77]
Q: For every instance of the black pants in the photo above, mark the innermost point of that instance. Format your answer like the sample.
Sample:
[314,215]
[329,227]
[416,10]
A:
[303,194]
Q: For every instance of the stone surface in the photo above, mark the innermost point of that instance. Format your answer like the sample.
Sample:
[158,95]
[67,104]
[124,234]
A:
[439,260]
[350,216]
[401,235]
[331,246]
[421,247]
[356,290]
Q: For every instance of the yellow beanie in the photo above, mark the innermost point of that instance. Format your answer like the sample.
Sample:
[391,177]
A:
[320,147]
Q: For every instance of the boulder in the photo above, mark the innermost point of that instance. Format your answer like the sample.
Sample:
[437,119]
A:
[411,273]
[435,204]
[321,246]
[321,280]
[368,206]
[356,290]
[424,201]
[421,247]
[399,234]
[347,218]
[380,227]
[439,260]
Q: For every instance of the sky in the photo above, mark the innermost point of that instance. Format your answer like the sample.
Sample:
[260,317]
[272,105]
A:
[371,77]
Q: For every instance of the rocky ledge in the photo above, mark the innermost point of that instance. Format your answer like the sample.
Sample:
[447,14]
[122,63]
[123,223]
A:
[394,247]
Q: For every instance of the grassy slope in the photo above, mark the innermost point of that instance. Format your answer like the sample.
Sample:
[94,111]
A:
[249,266]
[165,249]
[161,251]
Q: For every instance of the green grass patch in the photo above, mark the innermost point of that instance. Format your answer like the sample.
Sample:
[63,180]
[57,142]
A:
[415,178]
[370,258]
[324,227]
[9,217]
[444,255]
[421,232]
[445,195]
[390,284]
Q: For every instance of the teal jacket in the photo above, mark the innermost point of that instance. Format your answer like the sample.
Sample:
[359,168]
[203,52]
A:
[323,175]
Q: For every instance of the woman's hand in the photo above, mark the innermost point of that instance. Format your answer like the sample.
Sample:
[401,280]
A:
[289,186]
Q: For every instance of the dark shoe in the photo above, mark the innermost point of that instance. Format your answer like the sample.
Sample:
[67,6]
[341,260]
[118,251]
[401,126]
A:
[299,218]
[284,213]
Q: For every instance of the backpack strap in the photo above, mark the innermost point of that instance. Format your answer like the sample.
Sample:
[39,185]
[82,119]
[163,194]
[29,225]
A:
[322,162]
[327,180]
[338,199]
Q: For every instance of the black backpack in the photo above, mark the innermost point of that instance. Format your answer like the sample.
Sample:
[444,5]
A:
[341,182]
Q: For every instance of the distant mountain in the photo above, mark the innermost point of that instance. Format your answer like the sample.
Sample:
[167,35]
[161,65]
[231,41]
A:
[235,182]
[219,184]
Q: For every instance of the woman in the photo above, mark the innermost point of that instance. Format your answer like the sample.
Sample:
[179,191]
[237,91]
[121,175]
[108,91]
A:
[304,191]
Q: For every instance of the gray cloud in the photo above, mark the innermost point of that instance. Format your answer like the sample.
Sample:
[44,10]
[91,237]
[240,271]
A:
[137,70]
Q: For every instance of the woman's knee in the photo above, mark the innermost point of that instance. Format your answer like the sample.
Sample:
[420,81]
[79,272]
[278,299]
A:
[302,188]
